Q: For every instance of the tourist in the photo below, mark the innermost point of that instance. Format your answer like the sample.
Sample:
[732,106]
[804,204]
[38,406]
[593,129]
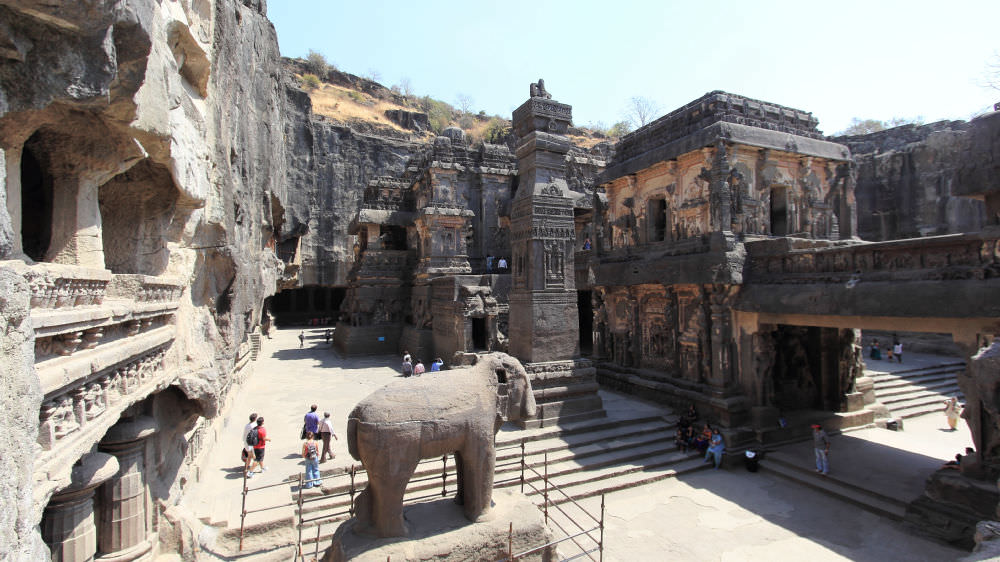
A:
[875,352]
[247,447]
[489,263]
[702,440]
[406,356]
[897,350]
[328,334]
[302,339]
[952,411]
[258,448]
[821,446]
[311,453]
[751,460]
[586,244]
[689,417]
[311,420]
[419,368]
[955,464]
[436,365]
[407,367]
[502,264]
[680,438]
[716,447]
[325,432]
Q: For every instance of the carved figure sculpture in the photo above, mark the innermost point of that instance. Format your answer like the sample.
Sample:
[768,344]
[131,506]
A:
[457,411]
[537,90]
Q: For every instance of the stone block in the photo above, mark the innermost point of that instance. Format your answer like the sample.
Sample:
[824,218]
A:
[438,531]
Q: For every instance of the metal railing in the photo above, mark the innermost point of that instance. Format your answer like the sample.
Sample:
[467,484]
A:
[579,536]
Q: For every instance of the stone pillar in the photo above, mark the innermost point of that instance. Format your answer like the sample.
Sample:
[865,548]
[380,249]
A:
[124,529]
[68,522]
[543,309]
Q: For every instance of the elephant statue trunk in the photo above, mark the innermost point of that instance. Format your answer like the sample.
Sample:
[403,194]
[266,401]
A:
[457,411]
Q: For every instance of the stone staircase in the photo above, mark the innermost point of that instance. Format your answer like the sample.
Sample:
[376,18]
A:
[869,500]
[915,392]
[585,459]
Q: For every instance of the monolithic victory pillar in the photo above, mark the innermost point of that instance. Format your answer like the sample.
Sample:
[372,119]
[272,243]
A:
[543,301]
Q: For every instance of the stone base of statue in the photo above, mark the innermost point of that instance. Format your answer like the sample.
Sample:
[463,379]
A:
[565,391]
[439,531]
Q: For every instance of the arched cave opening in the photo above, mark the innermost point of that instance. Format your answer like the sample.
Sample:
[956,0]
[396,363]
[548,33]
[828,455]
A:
[36,206]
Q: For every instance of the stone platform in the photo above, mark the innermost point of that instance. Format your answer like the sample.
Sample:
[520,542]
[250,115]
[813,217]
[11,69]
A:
[565,391]
[439,531]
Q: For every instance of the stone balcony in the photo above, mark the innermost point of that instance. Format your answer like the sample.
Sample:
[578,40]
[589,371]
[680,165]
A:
[100,344]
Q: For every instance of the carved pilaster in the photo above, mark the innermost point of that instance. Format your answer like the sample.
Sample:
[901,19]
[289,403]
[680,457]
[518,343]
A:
[124,529]
[68,521]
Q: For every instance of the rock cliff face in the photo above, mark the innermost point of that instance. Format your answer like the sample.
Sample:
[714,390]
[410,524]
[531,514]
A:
[151,133]
[329,165]
[908,181]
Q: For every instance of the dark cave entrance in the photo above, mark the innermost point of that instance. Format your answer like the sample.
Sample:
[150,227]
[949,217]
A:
[36,207]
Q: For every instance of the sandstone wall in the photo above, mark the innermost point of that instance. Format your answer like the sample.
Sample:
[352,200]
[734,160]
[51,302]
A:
[908,181]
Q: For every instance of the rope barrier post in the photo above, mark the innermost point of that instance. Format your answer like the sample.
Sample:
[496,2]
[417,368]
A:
[243,508]
[300,516]
[510,543]
[522,466]
[316,551]
[545,488]
[444,475]
[600,545]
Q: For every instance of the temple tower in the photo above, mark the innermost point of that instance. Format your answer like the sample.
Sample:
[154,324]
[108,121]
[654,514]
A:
[543,320]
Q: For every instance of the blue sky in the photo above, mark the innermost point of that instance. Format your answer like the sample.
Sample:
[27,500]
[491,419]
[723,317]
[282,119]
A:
[874,59]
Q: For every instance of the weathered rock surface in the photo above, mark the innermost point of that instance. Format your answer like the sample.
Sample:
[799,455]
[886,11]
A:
[909,179]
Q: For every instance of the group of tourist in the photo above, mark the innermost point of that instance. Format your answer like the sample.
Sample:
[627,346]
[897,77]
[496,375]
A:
[409,368]
[313,425]
[254,439]
[501,264]
[895,352]
[708,441]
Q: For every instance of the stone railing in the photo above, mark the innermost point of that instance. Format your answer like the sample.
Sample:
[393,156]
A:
[950,257]
[100,343]
[58,286]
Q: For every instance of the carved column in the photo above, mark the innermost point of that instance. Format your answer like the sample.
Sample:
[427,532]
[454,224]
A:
[68,521]
[543,309]
[124,528]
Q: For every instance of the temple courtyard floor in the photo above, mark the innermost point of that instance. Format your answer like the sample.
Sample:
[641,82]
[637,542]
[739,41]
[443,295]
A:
[728,514]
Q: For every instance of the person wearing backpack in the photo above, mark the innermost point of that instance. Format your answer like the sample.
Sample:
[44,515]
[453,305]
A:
[258,438]
[310,452]
[248,447]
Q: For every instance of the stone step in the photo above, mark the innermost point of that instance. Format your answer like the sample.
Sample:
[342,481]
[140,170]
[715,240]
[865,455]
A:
[565,459]
[918,399]
[923,380]
[958,365]
[942,387]
[831,486]
[919,410]
[613,479]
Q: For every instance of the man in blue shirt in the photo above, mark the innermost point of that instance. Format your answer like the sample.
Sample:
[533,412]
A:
[312,420]
[437,364]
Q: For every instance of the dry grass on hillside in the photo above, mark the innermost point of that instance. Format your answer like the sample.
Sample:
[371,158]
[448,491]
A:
[343,104]
[586,142]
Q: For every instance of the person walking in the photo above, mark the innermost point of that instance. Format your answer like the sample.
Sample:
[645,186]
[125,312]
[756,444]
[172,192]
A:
[419,368]
[311,422]
[302,339]
[821,446]
[952,411]
[310,452]
[897,350]
[715,448]
[325,432]
[502,264]
[247,447]
[258,448]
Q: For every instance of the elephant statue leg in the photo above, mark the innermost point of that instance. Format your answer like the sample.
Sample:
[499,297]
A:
[478,464]
[387,488]
[459,478]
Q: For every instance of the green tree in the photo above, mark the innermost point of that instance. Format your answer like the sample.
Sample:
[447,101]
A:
[317,64]
[496,131]
[620,129]
[868,126]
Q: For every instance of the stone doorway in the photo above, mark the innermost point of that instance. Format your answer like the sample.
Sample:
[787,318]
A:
[36,206]
[586,316]
[480,334]
[779,211]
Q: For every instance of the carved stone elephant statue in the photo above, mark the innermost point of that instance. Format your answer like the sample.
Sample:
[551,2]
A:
[456,411]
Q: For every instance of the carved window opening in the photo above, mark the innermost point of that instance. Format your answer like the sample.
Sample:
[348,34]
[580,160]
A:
[393,237]
[36,207]
[657,213]
[479,335]
[779,211]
